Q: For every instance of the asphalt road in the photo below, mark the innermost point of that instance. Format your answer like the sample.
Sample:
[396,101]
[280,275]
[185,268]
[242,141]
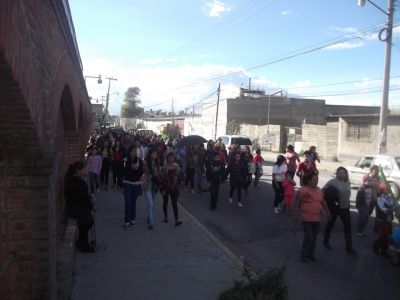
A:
[269,240]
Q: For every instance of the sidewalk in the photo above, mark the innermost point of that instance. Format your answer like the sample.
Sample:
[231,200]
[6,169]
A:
[167,262]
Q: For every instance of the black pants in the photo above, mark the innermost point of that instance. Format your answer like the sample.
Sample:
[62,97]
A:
[214,193]
[248,181]
[174,201]
[344,215]
[116,168]
[190,177]
[236,185]
[105,170]
[278,193]
[85,221]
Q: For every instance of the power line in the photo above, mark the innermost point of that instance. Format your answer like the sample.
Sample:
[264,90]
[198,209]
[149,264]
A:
[338,83]
[296,53]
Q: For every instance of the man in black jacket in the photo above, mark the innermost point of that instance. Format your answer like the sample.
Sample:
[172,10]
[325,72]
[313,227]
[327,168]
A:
[238,173]
[215,179]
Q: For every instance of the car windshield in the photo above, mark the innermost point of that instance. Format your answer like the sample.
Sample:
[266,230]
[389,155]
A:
[365,162]
[241,141]
[397,159]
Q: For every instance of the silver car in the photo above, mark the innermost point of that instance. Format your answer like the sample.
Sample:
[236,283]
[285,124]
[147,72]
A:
[390,166]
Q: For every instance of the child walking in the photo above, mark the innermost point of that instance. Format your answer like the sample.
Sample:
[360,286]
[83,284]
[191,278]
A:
[289,191]
[258,161]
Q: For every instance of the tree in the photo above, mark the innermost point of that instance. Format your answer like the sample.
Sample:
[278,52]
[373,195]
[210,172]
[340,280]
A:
[130,107]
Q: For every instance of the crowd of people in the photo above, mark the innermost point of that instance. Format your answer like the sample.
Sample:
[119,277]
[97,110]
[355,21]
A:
[145,164]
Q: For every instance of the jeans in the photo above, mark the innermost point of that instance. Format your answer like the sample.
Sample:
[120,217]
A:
[199,174]
[174,201]
[190,177]
[362,218]
[310,238]
[279,192]
[105,170]
[131,192]
[150,197]
[94,181]
[236,185]
[214,193]
[344,215]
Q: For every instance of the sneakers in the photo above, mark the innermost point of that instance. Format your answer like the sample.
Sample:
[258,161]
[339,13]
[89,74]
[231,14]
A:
[192,191]
[230,200]
[98,191]
[240,204]
[276,210]
[177,223]
[151,226]
[127,225]
[133,223]
[361,234]
[327,246]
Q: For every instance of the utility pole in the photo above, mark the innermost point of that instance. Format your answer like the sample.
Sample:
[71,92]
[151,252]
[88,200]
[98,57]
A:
[249,87]
[108,98]
[216,115]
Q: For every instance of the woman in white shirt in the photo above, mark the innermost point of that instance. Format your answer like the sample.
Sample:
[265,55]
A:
[278,175]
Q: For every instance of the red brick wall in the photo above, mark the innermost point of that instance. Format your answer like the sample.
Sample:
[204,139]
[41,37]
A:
[42,100]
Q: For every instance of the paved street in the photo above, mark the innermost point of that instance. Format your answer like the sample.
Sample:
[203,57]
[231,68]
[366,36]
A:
[182,263]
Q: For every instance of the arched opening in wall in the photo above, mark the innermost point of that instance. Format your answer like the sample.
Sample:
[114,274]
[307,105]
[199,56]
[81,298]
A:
[23,182]
[64,146]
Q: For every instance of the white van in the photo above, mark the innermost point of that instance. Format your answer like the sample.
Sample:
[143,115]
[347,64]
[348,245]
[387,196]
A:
[230,140]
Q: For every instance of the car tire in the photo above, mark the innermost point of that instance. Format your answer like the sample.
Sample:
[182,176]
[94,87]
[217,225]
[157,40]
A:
[395,189]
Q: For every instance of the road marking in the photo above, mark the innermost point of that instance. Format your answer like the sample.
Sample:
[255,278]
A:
[232,256]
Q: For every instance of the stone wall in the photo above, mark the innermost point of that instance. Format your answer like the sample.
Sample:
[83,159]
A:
[324,137]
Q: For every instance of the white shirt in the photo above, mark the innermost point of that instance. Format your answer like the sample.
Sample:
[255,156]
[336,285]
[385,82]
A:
[279,172]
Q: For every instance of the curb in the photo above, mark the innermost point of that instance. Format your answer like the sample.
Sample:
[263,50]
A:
[233,257]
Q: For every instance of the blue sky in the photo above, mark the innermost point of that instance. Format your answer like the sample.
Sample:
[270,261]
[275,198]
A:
[179,49]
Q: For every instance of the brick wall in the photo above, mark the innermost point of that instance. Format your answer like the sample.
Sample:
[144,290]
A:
[45,117]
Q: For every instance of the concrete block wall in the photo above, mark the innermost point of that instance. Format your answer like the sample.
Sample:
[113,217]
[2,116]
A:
[324,137]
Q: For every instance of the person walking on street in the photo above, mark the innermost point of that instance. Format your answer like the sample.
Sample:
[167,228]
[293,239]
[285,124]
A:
[190,167]
[200,153]
[258,163]
[78,203]
[309,204]
[93,169]
[151,183]
[289,191]
[237,175]
[216,177]
[342,184]
[247,158]
[306,167]
[292,158]
[170,187]
[384,218]
[314,157]
[366,199]
[117,165]
[106,154]
[132,175]
[278,175]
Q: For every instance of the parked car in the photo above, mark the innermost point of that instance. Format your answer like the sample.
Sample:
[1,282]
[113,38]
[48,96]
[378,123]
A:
[230,140]
[390,166]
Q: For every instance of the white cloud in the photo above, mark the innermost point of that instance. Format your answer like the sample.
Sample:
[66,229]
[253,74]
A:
[344,30]
[299,84]
[345,45]
[286,12]
[160,84]
[215,8]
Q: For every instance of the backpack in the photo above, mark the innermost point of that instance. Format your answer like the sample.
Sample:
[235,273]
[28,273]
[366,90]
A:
[332,198]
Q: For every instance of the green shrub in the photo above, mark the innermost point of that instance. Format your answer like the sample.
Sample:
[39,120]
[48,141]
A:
[259,286]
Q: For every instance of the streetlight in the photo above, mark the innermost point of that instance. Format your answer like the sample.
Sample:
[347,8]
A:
[105,116]
[386,77]
[99,81]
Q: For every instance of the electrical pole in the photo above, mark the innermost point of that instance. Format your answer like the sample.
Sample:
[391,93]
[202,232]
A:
[172,112]
[249,86]
[108,98]
[216,115]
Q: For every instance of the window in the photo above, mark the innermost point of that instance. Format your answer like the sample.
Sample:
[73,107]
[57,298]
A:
[384,162]
[241,141]
[358,132]
[365,162]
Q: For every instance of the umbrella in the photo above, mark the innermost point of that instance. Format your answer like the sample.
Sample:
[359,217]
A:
[191,140]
